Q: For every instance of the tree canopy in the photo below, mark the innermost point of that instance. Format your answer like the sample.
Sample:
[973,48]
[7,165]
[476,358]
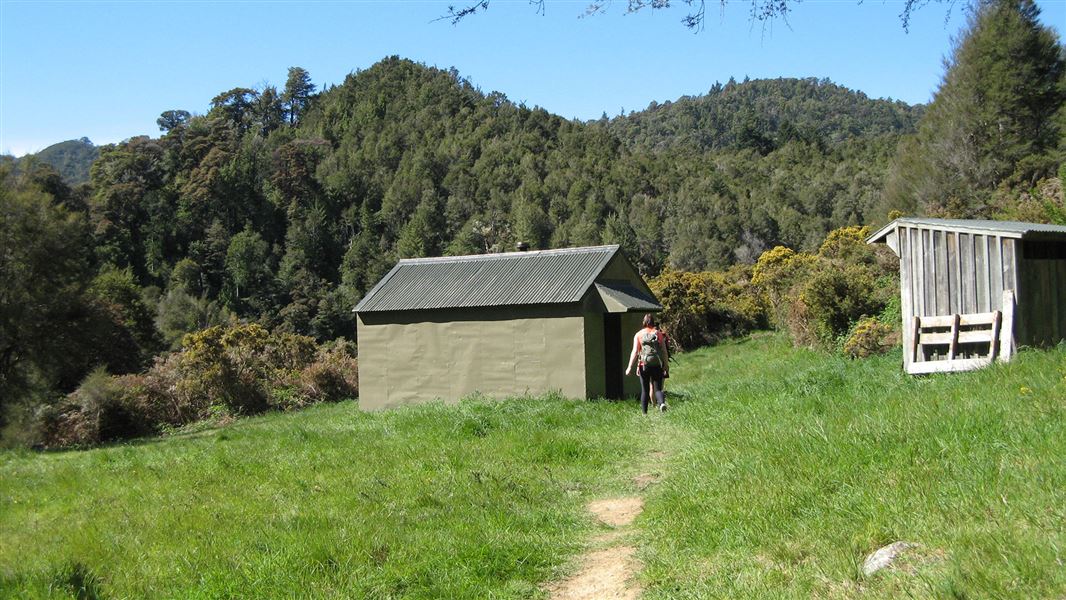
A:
[996,120]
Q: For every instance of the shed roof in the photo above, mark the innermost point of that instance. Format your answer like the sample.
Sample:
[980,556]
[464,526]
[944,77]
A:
[511,278]
[1011,229]
[622,296]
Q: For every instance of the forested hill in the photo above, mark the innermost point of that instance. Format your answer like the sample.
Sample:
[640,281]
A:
[762,114]
[71,159]
[286,206]
[445,168]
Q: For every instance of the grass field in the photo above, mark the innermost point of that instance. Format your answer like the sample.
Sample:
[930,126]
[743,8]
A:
[782,470]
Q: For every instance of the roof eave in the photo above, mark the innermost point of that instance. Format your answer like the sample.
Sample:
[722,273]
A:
[1003,229]
[880,235]
[374,290]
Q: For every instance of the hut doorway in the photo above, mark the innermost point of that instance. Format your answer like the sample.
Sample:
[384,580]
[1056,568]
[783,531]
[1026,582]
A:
[612,354]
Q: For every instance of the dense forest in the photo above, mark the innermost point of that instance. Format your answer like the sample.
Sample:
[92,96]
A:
[287,207]
[284,206]
[764,114]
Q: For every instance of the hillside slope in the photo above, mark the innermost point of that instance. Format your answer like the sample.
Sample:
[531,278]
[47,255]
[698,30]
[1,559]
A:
[764,113]
[71,159]
[784,468]
[404,160]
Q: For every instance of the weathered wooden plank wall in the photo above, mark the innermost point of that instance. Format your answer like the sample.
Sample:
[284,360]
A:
[968,287]
[906,270]
[946,272]
[1044,307]
[941,274]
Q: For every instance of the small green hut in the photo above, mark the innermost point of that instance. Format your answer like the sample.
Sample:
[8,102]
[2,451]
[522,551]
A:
[501,325]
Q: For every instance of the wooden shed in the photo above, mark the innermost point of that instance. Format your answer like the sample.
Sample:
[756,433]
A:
[971,290]
[501,325]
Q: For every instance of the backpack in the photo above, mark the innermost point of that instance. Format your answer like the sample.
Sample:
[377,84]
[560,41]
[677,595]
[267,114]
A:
[649,349]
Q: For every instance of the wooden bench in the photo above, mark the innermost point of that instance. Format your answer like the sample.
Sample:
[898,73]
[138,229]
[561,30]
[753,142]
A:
[958,342]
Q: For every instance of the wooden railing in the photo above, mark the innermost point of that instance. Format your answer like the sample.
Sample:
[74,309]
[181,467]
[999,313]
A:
[962,342]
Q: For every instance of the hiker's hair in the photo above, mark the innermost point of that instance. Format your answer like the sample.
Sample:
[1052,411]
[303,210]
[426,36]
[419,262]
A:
[649,320]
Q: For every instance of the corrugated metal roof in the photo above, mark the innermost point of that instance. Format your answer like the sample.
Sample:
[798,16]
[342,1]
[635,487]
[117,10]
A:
[620,296]
[512,278]
[1015,229]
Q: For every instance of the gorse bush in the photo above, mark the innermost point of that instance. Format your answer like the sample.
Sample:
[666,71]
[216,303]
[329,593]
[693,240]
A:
[236,370]
[333,374]
[103,409]
[816,297]
[834,297]
[700,308]
[236,367]
[777,272]
[870,336]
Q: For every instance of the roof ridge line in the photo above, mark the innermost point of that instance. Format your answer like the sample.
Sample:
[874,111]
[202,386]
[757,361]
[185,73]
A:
[497,255]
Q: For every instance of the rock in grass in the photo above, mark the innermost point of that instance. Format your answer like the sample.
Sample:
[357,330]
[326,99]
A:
[884,557]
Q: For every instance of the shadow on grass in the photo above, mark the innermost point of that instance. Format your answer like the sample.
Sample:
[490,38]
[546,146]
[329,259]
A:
[677,397]
[73,580]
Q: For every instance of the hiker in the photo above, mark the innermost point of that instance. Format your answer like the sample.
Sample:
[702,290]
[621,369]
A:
[650,346]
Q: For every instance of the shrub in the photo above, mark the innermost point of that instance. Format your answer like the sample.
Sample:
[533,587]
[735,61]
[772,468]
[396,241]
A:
[102,409]
[220,373]
[818,298]
[699,308]
[835,298]
[685,306]
[170,402]
[333,376]
[775,276]
[868,337]
[846,243]
[237,367]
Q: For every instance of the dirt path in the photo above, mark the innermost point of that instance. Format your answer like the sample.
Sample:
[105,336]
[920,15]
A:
[609,568]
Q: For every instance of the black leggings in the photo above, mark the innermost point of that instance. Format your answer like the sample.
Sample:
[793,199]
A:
[653,375]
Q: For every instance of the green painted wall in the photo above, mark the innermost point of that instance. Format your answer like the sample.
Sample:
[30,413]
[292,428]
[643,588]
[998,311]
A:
[418,356]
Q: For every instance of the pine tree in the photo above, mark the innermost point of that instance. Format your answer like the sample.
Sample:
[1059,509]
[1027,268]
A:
[297,94]
[992,120]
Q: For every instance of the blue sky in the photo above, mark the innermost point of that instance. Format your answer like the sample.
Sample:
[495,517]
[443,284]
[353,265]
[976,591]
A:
[106,69]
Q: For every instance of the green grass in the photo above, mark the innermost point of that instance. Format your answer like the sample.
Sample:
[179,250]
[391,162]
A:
[784,468]
[479,500]
[801,464]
